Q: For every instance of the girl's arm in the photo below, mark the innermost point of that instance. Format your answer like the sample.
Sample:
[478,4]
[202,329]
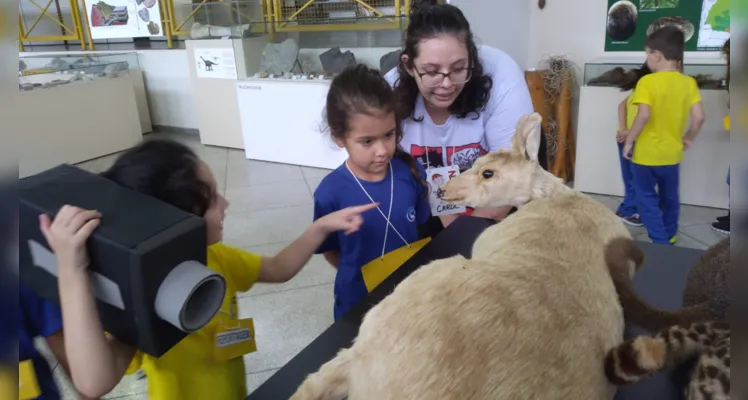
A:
[622,116]
[332,258]
[286,264]
[97,361]
[56,343]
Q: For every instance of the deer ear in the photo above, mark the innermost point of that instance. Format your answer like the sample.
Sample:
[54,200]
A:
[532,134]
[518,140]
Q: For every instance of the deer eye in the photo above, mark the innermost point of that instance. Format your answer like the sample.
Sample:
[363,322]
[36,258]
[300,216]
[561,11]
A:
[487,174]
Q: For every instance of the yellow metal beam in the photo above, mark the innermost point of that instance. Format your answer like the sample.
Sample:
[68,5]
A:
[76,32]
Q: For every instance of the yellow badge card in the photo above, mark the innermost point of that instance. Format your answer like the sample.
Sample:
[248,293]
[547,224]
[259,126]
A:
[726,122]
[379,269]
[28,387]
[234,337]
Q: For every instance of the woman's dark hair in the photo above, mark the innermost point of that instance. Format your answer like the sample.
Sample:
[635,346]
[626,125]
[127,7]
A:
[363,90]
[632,77]
[429,21]
[166,170]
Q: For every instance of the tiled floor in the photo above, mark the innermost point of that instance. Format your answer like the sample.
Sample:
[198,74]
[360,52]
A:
[271,204]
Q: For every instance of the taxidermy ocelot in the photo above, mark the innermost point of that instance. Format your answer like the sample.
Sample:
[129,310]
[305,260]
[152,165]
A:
[530,316]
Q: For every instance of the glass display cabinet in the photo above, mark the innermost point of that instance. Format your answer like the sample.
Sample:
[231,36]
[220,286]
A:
[55,71]
[611,72]
[321,54]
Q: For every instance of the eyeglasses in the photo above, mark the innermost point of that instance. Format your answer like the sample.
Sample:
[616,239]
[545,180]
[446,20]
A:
[434,79]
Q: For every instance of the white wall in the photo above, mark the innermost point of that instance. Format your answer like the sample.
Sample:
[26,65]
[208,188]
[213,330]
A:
[503,24]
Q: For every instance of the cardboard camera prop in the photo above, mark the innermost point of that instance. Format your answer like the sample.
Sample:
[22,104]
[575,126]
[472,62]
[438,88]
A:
[147,258]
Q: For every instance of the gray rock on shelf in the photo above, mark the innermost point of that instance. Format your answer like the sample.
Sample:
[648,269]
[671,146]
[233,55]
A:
[335,61]
[144,15]
[279,58]
[113,70]
[58,64]
[389,61]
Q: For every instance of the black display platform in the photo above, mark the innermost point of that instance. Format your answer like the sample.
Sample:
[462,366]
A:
[661,282]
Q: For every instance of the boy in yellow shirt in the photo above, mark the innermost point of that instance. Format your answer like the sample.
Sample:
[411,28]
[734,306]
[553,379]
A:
[193,368]
[664,98]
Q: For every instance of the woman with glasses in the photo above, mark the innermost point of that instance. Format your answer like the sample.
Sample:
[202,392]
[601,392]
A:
[458,101]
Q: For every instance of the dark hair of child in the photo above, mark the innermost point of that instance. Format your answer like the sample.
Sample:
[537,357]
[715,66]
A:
[363,90]
[631,79]
[668,40]
[166,170]
[428,21]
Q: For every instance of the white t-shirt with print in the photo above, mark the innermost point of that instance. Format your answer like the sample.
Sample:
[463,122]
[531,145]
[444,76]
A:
[461,141]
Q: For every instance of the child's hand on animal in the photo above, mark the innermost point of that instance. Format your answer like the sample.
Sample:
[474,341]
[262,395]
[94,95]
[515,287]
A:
[348,219]
[68,233]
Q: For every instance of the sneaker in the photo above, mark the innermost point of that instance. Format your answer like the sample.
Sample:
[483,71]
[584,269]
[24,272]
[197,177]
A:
[632,219]
[673,239]
[724,218]
[722,227]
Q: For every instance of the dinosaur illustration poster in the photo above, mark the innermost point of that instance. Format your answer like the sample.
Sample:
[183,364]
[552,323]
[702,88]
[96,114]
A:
[215,63]
[113,19]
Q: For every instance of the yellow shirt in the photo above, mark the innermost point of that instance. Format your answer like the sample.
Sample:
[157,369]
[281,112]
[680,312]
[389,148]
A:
[631,110]
[670,96]
[188,370]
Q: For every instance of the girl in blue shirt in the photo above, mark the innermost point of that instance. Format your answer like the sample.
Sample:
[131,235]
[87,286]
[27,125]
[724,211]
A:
[360,113]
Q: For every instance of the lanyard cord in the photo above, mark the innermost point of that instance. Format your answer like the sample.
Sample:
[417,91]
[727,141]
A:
[389,212]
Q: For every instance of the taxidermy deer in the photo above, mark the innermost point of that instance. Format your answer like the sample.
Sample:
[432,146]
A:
[530,316]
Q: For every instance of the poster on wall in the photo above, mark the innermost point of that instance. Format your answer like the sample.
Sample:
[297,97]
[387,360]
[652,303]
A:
[117,19]
[706,23]
[215,63]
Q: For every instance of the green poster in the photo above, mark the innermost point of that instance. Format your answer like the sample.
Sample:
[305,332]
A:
[706,23]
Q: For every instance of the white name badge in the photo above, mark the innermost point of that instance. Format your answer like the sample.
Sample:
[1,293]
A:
[436,178]
[233,337]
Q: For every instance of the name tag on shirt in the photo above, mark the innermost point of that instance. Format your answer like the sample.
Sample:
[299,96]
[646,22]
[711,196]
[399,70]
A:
[376,271]
[234,338]
[436,178]
[28,387]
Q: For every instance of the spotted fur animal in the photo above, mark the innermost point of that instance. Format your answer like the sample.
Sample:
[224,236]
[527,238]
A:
[705,298]
[641,357]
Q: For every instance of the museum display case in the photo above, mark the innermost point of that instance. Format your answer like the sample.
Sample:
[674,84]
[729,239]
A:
[318,54]
[276,44]
[48,70]
[97,100]
[283,82]
[60,63]
[46,77]
[201,20]
[709,73]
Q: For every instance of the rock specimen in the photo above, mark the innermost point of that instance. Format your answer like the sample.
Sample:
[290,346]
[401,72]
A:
[153,28]
[279,58]
[335,61]
[143,14]
[389,61]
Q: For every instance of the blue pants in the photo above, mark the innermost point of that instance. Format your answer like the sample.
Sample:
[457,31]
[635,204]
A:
[657,200]
[628,206]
